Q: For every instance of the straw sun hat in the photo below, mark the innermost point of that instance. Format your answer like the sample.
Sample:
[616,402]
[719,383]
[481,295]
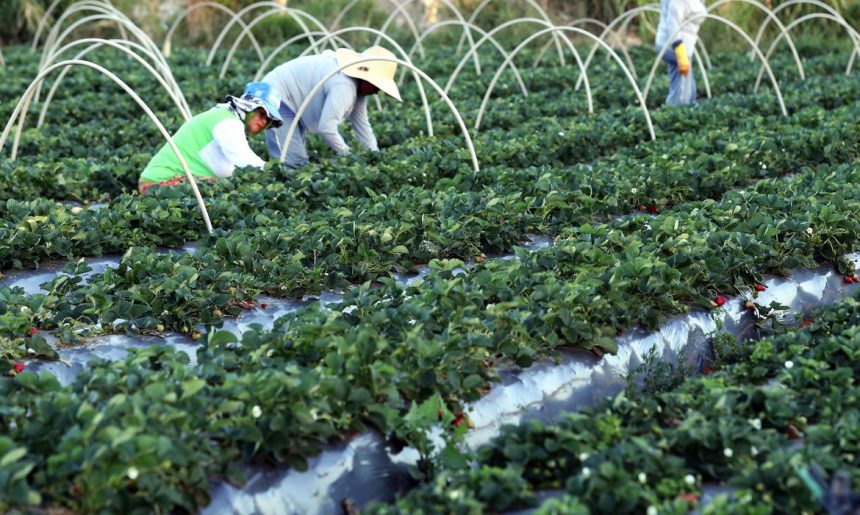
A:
[378,73]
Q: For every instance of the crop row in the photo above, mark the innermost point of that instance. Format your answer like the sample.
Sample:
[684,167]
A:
[770,409]
[322,373]
[711,161]
[363,238]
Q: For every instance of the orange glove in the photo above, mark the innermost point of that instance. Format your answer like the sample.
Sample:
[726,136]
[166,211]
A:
[683,59]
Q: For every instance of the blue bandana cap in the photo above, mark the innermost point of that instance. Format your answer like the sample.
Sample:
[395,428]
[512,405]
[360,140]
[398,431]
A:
[262,95]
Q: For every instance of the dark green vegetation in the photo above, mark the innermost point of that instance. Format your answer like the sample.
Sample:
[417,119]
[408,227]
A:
[730,191]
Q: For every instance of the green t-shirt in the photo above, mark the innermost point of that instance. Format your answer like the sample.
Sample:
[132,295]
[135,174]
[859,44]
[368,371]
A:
[191,138]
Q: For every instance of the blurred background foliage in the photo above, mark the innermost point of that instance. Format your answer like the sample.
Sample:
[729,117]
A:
[21,17]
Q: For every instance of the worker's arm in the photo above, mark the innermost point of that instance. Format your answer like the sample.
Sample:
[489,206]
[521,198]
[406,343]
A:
[340,99]
[361,125]
[230,137]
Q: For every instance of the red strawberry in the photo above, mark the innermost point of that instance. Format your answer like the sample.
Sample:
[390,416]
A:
[793,433]
[653,209]
[850,280]
[439,414]
[760,287]
[692,498]
[719,300]
[264,305]
[33,331]
[19,367]
[459,418]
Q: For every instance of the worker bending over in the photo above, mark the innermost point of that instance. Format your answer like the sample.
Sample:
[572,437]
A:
[680,19]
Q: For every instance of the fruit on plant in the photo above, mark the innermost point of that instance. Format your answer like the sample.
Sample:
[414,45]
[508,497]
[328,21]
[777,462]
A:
[33,332]
[19,367]
[480,259]
[160,328]
[719,300]
[216,313]
[793,433]
[850,280]
[263,305]
[196,335]
[749,304]
[760,287]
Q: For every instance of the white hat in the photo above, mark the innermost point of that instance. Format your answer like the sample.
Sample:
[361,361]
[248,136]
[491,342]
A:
[378,73]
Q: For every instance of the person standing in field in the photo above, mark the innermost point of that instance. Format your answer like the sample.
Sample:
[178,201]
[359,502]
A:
[214,143]
[343,96]
[680,20]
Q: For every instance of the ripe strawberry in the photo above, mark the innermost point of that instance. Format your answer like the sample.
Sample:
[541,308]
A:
[33,331]
[263,305]
[850,280]
[653,209]
[692,498]
[760,287]
[719,300]
[793,433]
[19,367]
[459,418]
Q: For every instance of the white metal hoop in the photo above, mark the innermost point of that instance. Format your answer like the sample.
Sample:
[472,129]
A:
[294,13]
[734,27]
[480,31]
[335,24]
[301,110]
[94,44]
[166,46]
[542,23]
[401,9]
[153,52]
[770,16]
[534,5]
[853,34]
[25,100]
[587,34]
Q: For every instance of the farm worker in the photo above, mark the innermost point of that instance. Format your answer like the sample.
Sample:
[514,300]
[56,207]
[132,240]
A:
[214,143]
[343,96]
[680,19]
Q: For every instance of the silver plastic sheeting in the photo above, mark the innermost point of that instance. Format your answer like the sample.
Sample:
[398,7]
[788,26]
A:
[365,469]
[31,281]
[542,391]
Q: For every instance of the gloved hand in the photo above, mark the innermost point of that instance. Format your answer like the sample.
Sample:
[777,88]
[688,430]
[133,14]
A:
[683,59]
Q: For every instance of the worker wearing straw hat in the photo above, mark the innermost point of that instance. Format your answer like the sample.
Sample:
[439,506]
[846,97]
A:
[343,97]
[685,16]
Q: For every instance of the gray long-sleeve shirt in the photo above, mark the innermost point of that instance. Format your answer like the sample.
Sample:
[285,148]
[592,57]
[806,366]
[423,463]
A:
[338,100]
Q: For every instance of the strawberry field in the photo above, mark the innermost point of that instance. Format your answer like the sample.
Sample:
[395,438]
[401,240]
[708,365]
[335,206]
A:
[151,365]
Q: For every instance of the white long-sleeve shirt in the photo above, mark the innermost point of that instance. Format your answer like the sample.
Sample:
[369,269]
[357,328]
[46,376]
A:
[337,101]
[229,149]
[673,13]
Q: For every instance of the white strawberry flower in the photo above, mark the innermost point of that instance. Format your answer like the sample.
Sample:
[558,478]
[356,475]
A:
[728,452]
[789,364]
[690,479]
[256,411]
[756,423]
[132,473]
[652,510]
[643,478]
[586,472]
